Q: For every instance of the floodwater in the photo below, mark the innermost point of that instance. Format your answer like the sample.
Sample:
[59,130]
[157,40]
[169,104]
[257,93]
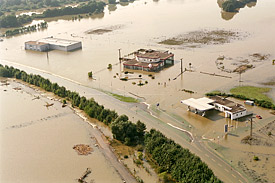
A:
[142,24]
[39,148]
[149,23]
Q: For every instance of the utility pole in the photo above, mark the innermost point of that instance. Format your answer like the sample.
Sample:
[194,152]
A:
[181,66]
[119,55]
[47,55]
[251,127]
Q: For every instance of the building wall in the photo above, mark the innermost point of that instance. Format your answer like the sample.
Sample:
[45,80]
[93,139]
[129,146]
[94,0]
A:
[74,46]
[44,47]
[238,115]
[169,61]
[221,108]
[147,60]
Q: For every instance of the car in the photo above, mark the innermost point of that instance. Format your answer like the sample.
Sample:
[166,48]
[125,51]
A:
[259,117]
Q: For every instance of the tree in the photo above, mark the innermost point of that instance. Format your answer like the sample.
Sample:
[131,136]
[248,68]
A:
[4,72]
[112,1]
[90,74]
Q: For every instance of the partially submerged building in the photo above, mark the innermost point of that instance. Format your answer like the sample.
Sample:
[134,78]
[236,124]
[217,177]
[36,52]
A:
[149,60]
[230,109]
[51,43]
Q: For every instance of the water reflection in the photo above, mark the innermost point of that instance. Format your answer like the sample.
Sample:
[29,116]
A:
[112,7]
[229,15]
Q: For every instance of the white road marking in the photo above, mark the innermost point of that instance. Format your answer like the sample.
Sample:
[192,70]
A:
[207,155]
[183,131]
[226,170]
[233,175]
[219,164]
[240,181]
[213,160]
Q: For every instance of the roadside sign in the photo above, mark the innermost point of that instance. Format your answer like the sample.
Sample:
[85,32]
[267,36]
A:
[225,128]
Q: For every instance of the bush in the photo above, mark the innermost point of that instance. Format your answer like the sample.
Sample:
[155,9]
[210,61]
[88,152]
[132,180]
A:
[256,158]
[90,74]
[126,157]
[140,156]
[124,79]
[4,72]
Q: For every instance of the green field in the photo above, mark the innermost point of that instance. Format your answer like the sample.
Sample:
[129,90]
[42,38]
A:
[252,92]
[123,98]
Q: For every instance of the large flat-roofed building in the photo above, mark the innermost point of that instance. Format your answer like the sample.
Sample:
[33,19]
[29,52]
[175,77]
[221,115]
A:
[51,43]
[149,60]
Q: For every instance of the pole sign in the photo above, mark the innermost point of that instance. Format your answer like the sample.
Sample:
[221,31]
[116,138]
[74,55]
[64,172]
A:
[225,128]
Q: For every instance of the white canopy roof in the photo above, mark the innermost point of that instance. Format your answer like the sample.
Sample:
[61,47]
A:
[201,104]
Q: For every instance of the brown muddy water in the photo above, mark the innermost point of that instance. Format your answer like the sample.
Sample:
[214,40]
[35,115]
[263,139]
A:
[143,24]
[37,142]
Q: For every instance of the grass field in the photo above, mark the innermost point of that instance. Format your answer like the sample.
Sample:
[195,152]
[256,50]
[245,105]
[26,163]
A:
[123,98]
[252,92]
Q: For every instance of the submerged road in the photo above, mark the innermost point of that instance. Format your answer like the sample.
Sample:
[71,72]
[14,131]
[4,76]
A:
[166,124]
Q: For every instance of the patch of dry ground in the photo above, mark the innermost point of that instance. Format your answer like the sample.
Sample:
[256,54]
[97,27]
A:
[264,136]
[104,30]
[83,149]
[259,166]
[262,170]
[204,37]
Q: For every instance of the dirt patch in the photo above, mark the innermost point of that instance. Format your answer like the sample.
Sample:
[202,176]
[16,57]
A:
[240,64]
[262,137]
[83,149]
[251,173]
[100,31]
[204,37]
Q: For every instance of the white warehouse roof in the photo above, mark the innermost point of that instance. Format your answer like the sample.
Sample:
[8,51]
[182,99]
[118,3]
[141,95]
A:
[57,41]
[201,104]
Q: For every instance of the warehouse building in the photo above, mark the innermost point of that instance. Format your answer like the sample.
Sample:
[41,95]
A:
[51,43]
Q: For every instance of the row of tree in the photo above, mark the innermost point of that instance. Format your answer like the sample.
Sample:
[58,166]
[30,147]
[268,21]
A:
[90,7]
[26,29]
[177,161]
[17,21]
[234,5]
[13,21]
[169,156]
[17,5]
[261,103]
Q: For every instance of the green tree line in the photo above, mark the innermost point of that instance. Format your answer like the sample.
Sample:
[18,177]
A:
[177,161]
[26,29]
[17,21]
[261,103]
[170,157]
[19,5]
[90,7]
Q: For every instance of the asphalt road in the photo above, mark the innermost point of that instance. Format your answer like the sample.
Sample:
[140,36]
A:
[221,168]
